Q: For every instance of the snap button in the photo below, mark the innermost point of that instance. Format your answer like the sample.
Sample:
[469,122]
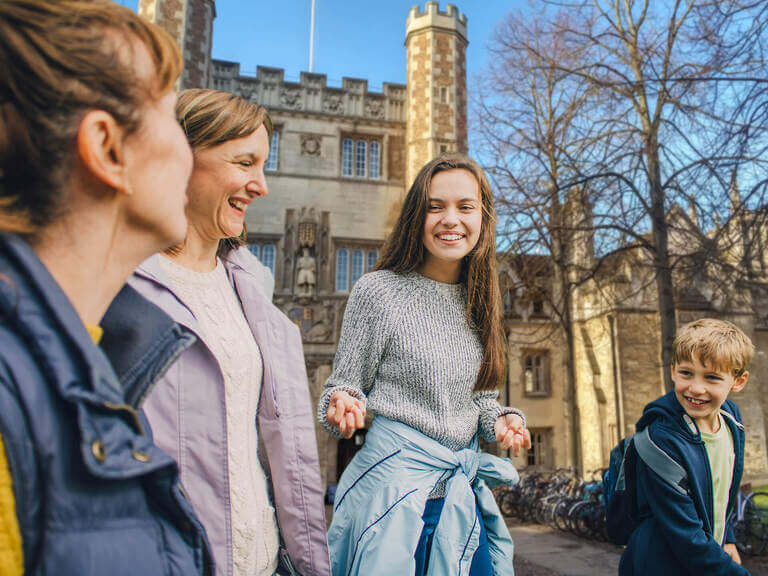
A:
[140,456]
[97,449]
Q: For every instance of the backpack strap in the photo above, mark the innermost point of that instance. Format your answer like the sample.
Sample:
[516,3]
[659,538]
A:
[732,419]
[660,462]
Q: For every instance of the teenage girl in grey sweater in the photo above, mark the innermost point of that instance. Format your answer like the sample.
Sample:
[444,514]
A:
[422,340]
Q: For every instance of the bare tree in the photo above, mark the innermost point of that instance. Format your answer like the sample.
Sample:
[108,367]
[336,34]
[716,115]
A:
[640,105]
[528,112]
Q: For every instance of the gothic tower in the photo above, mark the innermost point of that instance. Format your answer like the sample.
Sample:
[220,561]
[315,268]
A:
[190,22]
[436,45]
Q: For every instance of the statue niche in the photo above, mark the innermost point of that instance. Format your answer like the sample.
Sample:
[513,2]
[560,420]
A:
[306,265]
[306,275]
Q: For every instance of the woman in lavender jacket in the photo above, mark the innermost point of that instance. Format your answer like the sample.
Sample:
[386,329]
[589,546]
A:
[242,384]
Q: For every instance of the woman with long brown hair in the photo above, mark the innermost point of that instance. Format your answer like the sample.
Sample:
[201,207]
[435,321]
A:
[422,347]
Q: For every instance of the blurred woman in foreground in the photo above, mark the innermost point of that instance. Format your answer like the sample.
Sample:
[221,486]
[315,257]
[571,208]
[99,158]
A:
[93,173]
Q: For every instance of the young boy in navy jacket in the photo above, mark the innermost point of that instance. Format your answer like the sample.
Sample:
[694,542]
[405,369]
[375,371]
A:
[686,529]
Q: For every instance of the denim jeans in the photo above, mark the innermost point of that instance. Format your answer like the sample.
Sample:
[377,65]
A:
[481,561]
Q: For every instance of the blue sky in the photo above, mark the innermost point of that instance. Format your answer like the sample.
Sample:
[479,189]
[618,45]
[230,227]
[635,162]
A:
[355,38]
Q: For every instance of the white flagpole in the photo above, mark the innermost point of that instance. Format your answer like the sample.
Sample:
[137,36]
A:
[311,35]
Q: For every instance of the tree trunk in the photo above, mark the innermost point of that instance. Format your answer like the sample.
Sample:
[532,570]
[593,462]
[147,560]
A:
[664,287]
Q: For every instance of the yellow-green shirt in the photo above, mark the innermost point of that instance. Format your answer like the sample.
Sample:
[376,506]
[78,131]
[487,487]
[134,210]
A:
[721,456]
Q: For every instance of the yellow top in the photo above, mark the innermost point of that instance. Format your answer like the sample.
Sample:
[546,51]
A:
[11,556]
[95,332]
[11,552]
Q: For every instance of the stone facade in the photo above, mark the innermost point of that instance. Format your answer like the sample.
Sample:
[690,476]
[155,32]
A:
[436,44]
[617,349]
[190,23]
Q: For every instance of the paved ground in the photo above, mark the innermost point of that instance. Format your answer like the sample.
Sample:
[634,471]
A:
[541,551]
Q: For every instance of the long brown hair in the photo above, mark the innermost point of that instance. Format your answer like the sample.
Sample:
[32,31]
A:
[212,117]
[404,251]
[59,60]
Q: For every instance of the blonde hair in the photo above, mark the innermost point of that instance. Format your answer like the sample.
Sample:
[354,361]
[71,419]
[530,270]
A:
[60,60]
[715,343]
[212,117]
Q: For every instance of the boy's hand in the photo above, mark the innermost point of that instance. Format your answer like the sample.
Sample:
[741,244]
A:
[733,552]
[345,413]
[511,433]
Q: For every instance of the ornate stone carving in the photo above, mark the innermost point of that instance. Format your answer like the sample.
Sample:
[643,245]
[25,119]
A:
[310,144]
[307,228]
[315,321]
[291,99]
[322,327]
[333,103]
[306,275]
[374,108]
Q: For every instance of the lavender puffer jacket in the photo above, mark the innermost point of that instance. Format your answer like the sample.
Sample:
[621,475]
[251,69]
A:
[187,412]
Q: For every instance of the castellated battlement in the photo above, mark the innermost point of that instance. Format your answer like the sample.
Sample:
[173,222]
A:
[432,17]
[312,93]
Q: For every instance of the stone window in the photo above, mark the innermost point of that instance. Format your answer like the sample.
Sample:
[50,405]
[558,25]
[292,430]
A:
[443,148]
[274,153]
[536,373]
[265,252]
[540,453]
[342,270]
[444,95]
[373,255]
[357,265]
[347,157]
[508,299]
[352,261]
[374,160]
[361,157]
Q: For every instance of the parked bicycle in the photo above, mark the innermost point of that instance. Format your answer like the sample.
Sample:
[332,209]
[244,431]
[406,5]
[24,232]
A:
[571,504]
[751,523]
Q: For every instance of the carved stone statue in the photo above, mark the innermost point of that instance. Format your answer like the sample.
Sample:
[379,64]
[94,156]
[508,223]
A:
[306,275]
[322,327]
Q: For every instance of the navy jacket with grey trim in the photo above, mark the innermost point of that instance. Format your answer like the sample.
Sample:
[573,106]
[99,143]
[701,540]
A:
[674,536]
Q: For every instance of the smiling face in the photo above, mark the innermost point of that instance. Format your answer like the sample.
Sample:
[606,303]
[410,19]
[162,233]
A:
[701,391]
[225,180]
[452,224]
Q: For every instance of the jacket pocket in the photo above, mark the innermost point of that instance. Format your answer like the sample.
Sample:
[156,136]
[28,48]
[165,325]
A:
[126,550]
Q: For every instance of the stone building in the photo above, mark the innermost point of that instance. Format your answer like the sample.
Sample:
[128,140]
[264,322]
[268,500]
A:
[339,166]
[340,160]
[616,338]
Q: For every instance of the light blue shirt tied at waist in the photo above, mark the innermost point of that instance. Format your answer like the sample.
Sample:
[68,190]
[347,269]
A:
[381,498]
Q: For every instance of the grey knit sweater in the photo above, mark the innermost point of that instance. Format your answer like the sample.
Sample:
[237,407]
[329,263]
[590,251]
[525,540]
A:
[407,351]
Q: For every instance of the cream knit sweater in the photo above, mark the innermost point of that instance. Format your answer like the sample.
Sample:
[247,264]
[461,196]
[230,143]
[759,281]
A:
[213,302]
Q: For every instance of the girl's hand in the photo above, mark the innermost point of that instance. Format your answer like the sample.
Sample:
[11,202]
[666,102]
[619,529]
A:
[345,413]
[511,433]
[733,552]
